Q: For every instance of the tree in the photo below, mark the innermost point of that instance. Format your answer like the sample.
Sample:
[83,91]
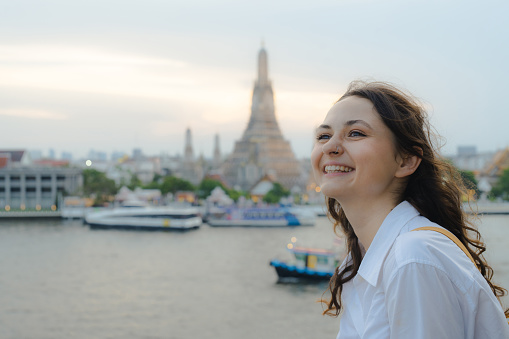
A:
[152,185]
[276,193]
[173,184]
[135,182]
[501,188]
[470,181]
[96,183]
[235,195]
[207,185]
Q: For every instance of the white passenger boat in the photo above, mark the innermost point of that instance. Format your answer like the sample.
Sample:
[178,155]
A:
[146,218]
[261,217]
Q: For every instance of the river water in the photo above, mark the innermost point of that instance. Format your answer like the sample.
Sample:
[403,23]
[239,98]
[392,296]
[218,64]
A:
[60,279]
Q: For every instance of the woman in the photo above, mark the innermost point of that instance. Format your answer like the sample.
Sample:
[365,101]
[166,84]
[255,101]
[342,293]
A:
[375,162]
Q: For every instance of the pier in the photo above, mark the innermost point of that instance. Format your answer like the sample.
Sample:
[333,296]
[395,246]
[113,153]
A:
[30,215]
[487,208]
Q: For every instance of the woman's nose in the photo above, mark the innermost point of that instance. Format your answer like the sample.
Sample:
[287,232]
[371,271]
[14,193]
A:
[332,148]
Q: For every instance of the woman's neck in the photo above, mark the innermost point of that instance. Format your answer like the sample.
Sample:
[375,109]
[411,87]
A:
[366,217]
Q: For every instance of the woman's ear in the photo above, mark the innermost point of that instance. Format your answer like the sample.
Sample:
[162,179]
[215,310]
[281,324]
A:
[409,164]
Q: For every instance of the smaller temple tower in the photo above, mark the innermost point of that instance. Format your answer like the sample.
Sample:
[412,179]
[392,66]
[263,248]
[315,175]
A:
[190,169]
[188,150]
[217,152]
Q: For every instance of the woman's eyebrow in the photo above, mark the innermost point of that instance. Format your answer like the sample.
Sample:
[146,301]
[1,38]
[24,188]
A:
[362,122]
[348,123]
[323,126]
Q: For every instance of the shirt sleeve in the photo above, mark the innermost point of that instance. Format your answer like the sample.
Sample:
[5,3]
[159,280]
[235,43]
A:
[422,303]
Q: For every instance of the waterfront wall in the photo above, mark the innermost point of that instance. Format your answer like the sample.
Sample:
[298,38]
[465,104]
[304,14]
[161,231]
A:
[32,188]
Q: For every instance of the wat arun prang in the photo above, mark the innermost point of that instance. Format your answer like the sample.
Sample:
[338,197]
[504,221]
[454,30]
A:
[262,150]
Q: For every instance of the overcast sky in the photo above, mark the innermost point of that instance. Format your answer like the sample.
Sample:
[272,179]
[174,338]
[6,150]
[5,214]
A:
[116,75]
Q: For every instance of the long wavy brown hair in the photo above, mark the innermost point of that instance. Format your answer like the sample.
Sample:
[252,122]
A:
[435,189]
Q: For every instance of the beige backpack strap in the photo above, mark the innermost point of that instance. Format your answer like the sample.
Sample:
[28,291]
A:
[454,239]
[448,235]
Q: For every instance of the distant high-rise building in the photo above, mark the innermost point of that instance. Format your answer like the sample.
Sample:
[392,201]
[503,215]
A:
[35,154]
[137,154]
[116,155]
[97,155]
[66,156]
[467,150]
[262,150]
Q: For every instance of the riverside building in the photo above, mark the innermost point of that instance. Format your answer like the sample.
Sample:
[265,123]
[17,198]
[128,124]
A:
[25,187]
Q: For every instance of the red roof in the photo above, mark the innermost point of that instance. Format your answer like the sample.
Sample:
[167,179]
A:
[14,155]
[3,161]
[51,162]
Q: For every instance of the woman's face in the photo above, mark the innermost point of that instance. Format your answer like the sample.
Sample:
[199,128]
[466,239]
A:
[354,156]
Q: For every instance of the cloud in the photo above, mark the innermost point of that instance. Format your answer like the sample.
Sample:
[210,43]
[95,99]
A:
[81,69]
[82,55]
[32,114]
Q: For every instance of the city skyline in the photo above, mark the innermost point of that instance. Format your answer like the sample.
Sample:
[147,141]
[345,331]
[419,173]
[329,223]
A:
[115,76]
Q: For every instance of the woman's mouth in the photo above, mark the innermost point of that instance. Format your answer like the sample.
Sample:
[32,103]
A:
[337,169]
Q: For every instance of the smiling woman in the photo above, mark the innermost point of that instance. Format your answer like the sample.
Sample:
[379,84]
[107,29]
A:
[375,162]
[355,153]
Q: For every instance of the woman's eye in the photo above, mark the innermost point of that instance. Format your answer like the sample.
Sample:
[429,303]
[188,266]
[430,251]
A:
[356,134]
[322,137]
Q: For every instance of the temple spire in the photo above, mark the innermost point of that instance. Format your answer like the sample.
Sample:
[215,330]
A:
[263,72]
[262,122]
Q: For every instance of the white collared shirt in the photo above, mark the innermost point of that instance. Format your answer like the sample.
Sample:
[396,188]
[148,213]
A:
[417,285]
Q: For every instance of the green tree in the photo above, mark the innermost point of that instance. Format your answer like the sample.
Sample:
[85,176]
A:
[156,182]
[501,188]
[135,182]
[235,195]
[276,193]
[470,181]
[96,183]
[207,185]
[173,184]
[152,185]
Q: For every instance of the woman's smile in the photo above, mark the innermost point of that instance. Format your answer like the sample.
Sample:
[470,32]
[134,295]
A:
[334,169]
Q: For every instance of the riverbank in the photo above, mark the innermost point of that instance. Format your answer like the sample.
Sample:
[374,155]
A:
[488,208]
[30,215]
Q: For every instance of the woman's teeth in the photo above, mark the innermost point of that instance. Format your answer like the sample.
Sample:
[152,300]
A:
[336,169]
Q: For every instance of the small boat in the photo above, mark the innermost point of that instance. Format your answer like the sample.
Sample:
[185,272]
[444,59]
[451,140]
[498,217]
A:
[146,218]
[310,264]
[260,217]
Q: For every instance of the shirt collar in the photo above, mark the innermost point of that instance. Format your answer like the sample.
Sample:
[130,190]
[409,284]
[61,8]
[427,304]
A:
[371,264]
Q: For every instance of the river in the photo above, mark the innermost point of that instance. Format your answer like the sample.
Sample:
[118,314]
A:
[61,279]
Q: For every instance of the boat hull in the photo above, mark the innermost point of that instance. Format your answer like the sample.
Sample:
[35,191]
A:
[141,228]
[285,271]
[260,217]
[252,223]
[145,219]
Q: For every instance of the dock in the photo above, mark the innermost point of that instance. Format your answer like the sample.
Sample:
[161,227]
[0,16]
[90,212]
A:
[488,208]
[30,215]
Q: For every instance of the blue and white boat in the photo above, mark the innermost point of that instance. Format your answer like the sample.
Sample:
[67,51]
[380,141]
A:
[311,264]
[261,217]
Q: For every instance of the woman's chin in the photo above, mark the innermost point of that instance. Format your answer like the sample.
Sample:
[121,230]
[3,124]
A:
[331,192]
